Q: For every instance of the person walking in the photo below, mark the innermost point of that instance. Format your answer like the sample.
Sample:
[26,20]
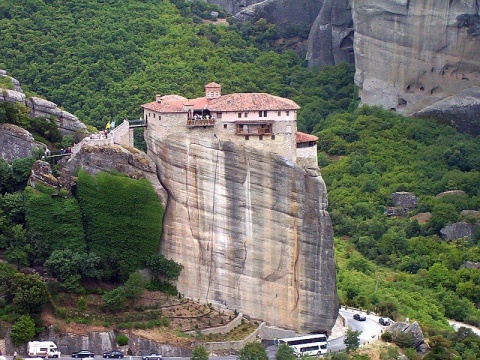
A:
[15,355]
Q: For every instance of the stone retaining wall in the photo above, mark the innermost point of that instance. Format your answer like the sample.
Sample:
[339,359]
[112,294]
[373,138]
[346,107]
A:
[233,345]
[220,329]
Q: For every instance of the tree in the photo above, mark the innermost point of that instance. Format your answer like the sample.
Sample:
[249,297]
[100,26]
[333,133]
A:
[29,293]
[284,352]
[253,351]
[161,266]
[115,299]
[199,353]
[351,339]
[23,330]
[19,249]
[135,285]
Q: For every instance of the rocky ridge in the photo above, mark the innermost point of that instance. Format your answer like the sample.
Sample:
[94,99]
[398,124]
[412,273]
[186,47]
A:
[251,230]
[16,142]
[66,122]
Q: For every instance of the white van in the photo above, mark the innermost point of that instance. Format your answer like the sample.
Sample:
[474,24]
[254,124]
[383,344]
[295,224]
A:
[309,350]
[42,348]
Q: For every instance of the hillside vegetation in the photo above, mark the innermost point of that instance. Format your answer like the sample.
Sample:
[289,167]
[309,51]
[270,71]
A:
[102,59]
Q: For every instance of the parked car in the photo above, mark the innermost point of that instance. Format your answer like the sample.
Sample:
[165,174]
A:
[152,356]
[359,317]
[113,354]
[384,321]
[83,354]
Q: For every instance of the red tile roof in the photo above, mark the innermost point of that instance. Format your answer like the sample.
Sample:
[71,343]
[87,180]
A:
[232,102]
[303,137]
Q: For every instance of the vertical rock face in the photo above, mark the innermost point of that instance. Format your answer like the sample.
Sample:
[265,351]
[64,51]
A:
[233,6]
[331,37]
[282,12]
[412,54]
[251,230]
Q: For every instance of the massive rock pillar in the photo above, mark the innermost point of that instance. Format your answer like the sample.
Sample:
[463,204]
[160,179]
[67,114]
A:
[251,230]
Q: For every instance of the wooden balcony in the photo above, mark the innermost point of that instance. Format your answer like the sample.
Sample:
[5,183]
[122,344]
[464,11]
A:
[200,122]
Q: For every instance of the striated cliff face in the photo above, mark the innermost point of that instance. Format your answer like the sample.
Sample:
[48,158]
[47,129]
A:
[251,230]
[412,54]
[331,37]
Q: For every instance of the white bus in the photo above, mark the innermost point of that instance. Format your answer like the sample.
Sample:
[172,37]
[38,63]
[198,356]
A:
[308,345]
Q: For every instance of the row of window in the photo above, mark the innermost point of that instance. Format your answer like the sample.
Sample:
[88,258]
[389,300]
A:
[260,114]
[247,137]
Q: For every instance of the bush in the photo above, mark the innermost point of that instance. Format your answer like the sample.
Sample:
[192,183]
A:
[199,353]
[122,340]
[253,351]
[23,330]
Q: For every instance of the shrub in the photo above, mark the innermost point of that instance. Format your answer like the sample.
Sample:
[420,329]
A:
[23,330]
[122,340]
[199,353]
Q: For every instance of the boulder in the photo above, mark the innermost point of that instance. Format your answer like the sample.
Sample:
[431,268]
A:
[16,142]
[12,96]
[422,218]
[414,329]
[42,174]
[470,213]
[451,193]
[459,230]
[405,200]
[251,229]
[471,265]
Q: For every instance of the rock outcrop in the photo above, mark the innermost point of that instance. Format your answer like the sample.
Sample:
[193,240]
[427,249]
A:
[130,161]
[233,6]
[251,230]
[282,12]
[415,330]
[463,107]
[412,54]
[331,36]
[16,142]
[66,122]
[459,230]
[403,203]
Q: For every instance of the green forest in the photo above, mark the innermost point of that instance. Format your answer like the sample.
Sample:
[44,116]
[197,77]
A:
[102,59]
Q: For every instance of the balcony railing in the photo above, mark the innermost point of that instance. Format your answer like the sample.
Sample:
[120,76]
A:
[200,122]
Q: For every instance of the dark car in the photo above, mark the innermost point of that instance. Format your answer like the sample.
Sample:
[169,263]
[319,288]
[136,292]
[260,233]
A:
[359,317]
[152,356]
[113,354]
[384,321]
[83,354]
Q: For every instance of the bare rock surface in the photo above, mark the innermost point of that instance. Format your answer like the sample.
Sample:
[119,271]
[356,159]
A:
[451,193]
[42,173]
[15,142]
[251,229]
[461,110]
[282,12]
[67,123]
[414,329]
[459,230]
[412,54]
[233,6]
[331,37]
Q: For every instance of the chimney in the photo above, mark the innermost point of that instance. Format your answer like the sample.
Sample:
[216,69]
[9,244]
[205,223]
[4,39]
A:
[213,90]
[159,98]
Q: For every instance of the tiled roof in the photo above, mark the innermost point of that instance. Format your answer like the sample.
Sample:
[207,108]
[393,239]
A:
[213,84]
[252,102]
[303,137]
[232,102]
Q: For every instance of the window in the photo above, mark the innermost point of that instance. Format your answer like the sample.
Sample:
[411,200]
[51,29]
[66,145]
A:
[287,113]
[219,115]
[154,115]
[273,137]
[149,114]
[239,115]
[245,115]
[260,113]
[279,113]
[224,126]
[247,137]
[260,137]
[265,114]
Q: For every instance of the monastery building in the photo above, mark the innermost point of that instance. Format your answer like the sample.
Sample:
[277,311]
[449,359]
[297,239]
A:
[259,120]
